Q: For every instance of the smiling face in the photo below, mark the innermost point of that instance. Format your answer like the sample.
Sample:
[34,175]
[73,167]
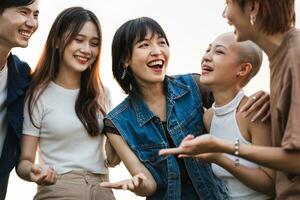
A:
[149,59]
[239,18]
[221,63]
[82,50]
[17,25]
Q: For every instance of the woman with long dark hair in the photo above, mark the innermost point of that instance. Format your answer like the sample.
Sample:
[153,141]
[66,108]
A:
[63,115]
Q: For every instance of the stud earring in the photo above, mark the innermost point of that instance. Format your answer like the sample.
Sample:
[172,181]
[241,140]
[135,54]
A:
[252,19]
[124,73]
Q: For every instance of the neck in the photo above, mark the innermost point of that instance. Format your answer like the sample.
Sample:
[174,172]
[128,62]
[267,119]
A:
[152,92]
[269,43]
[155,97]
[223,96]
[4,53]
[68,79]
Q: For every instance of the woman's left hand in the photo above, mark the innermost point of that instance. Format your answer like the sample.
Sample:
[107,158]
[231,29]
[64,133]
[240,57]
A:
[134,184]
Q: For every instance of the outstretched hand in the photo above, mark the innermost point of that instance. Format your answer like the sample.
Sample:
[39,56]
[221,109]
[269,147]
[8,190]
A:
[192,146]
[40,176]
[134,184]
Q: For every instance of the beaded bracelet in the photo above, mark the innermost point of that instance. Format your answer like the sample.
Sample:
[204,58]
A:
[236,152]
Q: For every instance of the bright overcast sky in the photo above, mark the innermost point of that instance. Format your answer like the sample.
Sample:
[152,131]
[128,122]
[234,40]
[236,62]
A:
[190,26]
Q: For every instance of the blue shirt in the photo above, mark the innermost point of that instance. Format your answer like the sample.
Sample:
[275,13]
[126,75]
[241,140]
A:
[144,134]
[18,81]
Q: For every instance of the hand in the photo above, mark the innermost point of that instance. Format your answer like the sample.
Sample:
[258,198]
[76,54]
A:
[135,184]
[259,104]
[47,176]
[193,146]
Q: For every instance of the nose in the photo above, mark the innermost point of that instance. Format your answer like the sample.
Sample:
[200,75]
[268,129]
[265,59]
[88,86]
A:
[32,22]
[224,13]
[207,57]
[85,48]
[155,50]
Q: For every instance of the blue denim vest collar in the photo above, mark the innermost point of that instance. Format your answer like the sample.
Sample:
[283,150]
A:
[145,135]
[143,114]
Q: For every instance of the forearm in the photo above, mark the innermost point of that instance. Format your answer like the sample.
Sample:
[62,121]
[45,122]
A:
[272,157]
[147,189]
[254,178]
[23,170]
[112,157]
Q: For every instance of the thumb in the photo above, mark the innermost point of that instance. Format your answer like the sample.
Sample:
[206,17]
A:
[36,169]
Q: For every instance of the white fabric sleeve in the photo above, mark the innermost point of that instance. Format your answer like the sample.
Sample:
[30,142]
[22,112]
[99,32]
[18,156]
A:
[108,99]
[37,114]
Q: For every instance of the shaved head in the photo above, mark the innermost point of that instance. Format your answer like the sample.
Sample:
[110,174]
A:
[247,52]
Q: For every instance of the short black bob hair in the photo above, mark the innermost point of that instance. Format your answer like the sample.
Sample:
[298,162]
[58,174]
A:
[124,40]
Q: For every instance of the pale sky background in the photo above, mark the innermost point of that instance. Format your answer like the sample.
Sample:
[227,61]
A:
[190,26]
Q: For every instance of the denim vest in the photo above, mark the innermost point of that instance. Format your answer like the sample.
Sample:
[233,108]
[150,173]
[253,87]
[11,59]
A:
[144,134]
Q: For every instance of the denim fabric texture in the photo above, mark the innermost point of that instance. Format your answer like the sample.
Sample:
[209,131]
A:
[144,134]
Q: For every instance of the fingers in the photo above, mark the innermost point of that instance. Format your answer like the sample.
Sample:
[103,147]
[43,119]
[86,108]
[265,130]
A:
[170,151]
[262,113]
[138,179]
[253,98]
[188,138]
[256,102]
[130,184]
[46,176]
[36,169]
[110,185]
[185,156]
[268,115]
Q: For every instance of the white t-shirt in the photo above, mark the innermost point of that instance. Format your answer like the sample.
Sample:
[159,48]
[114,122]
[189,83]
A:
[64,142]
[3,106]
[224,125]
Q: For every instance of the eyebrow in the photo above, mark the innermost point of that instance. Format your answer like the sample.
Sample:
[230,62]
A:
[28,9]
[82,35]
[222,46]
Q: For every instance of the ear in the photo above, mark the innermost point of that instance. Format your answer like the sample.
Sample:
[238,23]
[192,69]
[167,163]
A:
[244,70]
[252,7]
[126,63]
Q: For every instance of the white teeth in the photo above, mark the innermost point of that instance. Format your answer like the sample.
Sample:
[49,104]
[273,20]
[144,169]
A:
[25,33]
[156,62]
[84,59]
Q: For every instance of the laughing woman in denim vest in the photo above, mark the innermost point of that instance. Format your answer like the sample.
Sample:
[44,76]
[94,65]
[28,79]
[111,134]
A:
[159,112]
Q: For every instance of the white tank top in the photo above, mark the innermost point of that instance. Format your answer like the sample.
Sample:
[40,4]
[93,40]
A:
[224,125]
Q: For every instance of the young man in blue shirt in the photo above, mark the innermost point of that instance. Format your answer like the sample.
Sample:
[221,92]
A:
[18,21]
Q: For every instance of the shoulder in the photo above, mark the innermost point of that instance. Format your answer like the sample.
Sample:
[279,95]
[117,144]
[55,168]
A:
[256,132]
[293,47]
[119,109]
[185,81]
[181,77]
[21,66]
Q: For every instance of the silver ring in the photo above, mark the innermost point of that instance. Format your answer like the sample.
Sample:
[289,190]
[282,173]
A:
[253,97]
